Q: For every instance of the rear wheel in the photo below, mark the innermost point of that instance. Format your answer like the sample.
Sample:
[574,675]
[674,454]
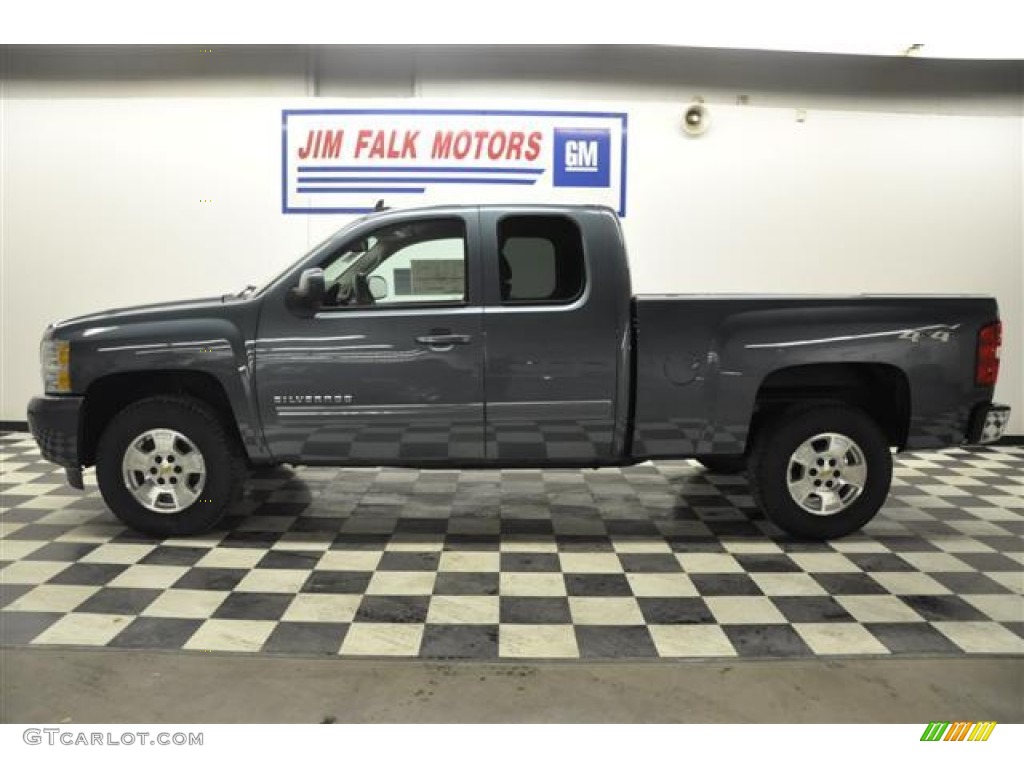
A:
[724,465]
[821,472]
[167,466]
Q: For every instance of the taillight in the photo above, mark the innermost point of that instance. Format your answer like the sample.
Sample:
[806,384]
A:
[990,338]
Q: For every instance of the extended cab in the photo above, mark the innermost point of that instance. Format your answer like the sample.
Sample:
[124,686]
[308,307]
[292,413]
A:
[487,336]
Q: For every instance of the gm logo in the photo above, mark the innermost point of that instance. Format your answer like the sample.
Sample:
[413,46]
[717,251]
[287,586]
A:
[582,157]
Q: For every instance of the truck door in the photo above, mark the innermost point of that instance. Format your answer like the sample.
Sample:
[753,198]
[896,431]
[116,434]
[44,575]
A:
[390,369]
[556,336]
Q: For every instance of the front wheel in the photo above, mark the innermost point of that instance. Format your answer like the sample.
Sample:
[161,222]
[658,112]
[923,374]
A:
[821,472]
[167,466]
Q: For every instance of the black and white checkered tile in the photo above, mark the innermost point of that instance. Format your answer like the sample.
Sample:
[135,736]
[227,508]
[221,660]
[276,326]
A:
[658,560]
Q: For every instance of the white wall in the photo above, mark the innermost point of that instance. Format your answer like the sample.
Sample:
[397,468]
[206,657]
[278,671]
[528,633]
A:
[889,188]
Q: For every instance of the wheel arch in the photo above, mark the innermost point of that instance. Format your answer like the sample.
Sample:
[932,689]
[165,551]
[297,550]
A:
[107,396]
[881,390]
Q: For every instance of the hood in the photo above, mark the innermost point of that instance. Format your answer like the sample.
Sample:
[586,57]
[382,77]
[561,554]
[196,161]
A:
[169,310]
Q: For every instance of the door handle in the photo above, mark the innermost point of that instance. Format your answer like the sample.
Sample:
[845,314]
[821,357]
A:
[443,339]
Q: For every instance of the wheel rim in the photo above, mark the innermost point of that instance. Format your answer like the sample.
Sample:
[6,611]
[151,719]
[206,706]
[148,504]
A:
[827,473]
[163,470]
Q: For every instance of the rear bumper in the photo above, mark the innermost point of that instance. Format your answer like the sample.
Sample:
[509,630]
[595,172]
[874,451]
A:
[988,423]
[53,422]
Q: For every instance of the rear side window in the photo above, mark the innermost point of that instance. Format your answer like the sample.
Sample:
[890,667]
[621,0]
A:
[540,260]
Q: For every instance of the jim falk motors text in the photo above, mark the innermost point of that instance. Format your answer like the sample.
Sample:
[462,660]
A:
[374,144]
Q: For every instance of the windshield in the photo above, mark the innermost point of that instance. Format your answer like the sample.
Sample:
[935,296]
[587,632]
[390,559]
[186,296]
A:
[318,250]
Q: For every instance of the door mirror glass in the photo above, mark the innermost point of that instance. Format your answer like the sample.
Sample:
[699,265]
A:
[308,296]
[378,287]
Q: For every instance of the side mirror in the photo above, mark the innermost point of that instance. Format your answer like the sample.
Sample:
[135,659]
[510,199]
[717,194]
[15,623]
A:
[378,287]
[308,296]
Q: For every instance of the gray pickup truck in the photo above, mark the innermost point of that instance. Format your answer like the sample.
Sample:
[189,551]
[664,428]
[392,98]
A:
[509,336]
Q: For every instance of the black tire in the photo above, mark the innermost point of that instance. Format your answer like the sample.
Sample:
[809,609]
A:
[770,469]
[724,465]
[222,457]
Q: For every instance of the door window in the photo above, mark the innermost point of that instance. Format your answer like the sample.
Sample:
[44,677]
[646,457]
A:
[540,260]
[408,263]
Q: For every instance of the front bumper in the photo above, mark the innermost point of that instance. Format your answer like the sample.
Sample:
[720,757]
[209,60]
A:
[988,423]
[54,422]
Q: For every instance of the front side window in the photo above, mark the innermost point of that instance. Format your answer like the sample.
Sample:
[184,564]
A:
[411,262]
[540,260]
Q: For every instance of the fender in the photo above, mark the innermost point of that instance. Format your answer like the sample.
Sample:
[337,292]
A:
[175,338]
[932,349]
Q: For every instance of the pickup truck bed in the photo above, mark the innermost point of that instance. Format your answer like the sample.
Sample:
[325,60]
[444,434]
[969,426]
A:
[707,364]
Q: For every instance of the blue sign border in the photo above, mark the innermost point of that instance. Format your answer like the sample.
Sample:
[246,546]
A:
[285,113]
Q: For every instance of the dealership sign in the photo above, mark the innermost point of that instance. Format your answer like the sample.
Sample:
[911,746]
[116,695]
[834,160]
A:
[345,160]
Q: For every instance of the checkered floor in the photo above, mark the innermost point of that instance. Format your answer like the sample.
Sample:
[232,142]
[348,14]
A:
[659,560]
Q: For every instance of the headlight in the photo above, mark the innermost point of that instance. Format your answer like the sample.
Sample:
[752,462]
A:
[56,363]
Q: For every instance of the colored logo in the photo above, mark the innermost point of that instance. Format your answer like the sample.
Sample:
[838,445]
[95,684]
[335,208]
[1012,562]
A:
[343,161]
[958,731]
[582,157]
